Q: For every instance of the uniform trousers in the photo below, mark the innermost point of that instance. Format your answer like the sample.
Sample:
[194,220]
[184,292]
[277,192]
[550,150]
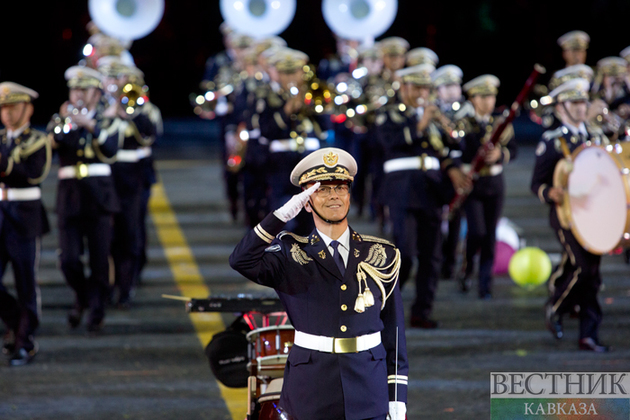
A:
[576,282]
[20,315]
[450,244]
[126,244]
[417,234]
[482,216]
[91,291]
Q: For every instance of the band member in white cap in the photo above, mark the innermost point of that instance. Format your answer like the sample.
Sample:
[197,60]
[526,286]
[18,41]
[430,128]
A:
[574,45]
[576,280]
[86,144]
[25,156]
[340,292]
[484,204]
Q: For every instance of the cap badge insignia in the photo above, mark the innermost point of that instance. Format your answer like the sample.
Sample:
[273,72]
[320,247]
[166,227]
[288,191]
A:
[299,256]
[331,159]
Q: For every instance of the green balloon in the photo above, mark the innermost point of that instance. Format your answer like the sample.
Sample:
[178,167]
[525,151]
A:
[530,267]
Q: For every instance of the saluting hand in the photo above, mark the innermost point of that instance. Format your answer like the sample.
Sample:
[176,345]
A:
[295,204]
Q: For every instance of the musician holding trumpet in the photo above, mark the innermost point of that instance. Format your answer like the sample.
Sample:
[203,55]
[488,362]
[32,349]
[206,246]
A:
[419,165]
[139,122]
[86,143]
[576,281]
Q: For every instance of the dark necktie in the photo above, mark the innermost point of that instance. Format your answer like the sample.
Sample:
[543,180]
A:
[337,257]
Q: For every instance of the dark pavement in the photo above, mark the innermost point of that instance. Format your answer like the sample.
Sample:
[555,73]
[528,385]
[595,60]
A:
[149,361]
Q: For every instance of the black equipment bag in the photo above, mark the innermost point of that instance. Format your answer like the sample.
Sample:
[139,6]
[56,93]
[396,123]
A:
[227,353]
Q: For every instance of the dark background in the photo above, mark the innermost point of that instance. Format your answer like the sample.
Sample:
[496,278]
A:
[503,37]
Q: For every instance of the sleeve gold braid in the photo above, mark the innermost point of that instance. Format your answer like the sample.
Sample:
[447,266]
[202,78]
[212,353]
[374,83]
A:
[262,234]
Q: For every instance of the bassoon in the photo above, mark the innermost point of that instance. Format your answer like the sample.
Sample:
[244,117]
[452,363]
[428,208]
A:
[478,161]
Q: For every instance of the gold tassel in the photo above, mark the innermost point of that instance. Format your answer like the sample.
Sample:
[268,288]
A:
[369,297]
[359,305]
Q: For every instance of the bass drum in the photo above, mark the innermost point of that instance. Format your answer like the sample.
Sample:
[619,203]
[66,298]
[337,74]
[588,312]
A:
[596,205]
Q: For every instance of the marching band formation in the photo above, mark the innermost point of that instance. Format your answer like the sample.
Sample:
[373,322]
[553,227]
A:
[102,137]
[414,129]
[379,122]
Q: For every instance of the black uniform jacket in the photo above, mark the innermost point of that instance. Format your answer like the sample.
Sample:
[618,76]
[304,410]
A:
[399,138]
[550,150]
[477,133]
[275,124]
[25,163]
[94,193]
[319,301]
[139,131]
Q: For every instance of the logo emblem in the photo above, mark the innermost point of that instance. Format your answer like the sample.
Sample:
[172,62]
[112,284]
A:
[331,159]
[322,254]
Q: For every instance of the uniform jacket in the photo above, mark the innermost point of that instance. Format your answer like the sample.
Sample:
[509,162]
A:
[276,125]
[140,131]
[399,138]
[477,133]
[90,194]
[320,385]
[25,163]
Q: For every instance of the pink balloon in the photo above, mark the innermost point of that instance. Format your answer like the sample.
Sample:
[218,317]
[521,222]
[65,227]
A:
[502,255]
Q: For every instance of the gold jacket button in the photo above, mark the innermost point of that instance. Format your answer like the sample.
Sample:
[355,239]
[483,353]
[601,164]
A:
[344,307]
[344,287]
[343,328]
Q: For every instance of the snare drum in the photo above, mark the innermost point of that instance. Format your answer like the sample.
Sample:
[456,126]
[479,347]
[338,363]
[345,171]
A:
[269,349]
[268,401]
[597,196]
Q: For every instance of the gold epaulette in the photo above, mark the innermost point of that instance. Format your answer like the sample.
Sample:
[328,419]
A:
[298,238]
[370,238]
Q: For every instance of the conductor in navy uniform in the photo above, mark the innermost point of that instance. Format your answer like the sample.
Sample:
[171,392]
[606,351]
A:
[25,156]
[576,280]
[340,292]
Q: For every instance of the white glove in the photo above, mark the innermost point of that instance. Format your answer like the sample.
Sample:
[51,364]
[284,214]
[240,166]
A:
[397,410]
[295,204]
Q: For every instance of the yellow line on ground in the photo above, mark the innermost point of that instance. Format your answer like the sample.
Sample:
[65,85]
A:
[190,284]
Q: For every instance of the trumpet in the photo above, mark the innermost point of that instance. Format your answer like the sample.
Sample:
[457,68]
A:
[440,119]
[132,96]
[358,102]
[67,124]
[213,101]
[316,95]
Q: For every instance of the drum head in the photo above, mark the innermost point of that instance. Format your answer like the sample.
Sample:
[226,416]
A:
[597,198]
